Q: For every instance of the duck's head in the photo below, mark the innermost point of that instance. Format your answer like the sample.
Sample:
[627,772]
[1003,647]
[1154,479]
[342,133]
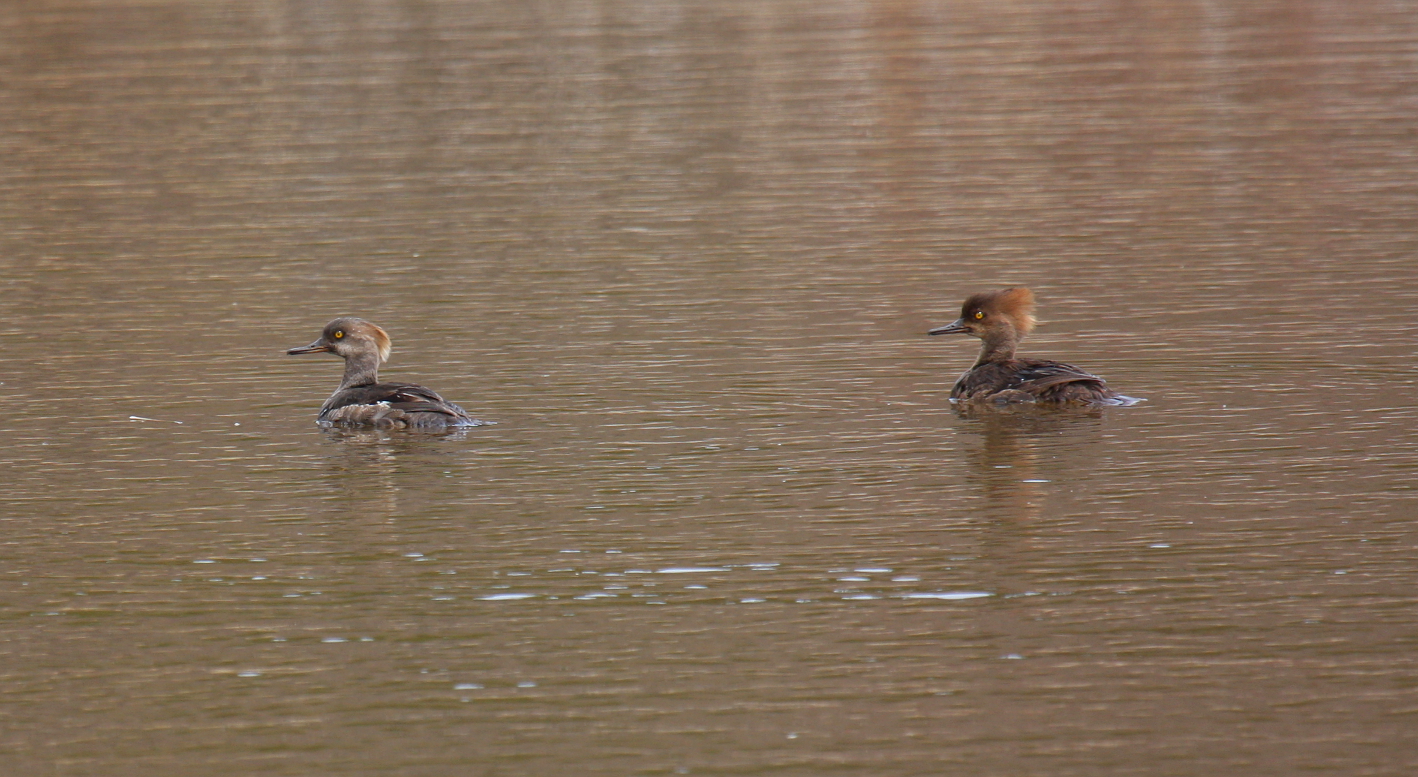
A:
[1007,312]
[349,337]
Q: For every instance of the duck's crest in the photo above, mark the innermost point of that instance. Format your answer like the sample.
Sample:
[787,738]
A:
[1015,304]
[1018,304]
[381,340]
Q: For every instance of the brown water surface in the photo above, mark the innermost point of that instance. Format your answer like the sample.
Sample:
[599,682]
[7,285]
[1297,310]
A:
[684,255]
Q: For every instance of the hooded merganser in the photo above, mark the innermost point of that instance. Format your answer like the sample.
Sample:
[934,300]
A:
[1002,318]
[361,400]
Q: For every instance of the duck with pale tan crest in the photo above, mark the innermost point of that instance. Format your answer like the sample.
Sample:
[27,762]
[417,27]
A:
[1001,319]
[361,400]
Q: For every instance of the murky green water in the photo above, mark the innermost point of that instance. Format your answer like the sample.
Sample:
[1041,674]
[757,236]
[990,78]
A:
[685,256]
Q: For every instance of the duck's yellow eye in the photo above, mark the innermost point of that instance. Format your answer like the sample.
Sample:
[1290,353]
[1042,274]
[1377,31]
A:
[338,335]
[979,314]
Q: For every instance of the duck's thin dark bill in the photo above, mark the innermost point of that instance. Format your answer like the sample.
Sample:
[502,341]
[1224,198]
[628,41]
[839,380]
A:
[949,329]
[312,348]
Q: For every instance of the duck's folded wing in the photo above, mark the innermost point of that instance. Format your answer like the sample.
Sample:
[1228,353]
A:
[1039,375]
[418,399]
[380,401]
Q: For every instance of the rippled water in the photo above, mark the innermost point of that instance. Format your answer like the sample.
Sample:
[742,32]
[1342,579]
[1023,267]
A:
[685,256]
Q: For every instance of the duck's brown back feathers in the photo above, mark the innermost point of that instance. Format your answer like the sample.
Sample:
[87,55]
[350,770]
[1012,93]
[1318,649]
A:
[1034,380]
[392,405]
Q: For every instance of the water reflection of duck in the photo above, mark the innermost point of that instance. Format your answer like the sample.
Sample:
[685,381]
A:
[361,400]
[1001,319]
[1023,456]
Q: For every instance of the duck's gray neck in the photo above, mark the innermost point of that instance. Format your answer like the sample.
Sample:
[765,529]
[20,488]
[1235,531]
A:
[360,370]
[998,347]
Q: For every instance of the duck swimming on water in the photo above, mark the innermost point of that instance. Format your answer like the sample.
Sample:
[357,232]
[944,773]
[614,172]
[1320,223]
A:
[361,400]
[1001,319]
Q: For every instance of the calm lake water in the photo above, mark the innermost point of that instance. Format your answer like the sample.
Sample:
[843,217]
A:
[685,256]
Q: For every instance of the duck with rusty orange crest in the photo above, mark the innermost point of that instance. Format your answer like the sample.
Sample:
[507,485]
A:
[361,400]
[1001,319]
